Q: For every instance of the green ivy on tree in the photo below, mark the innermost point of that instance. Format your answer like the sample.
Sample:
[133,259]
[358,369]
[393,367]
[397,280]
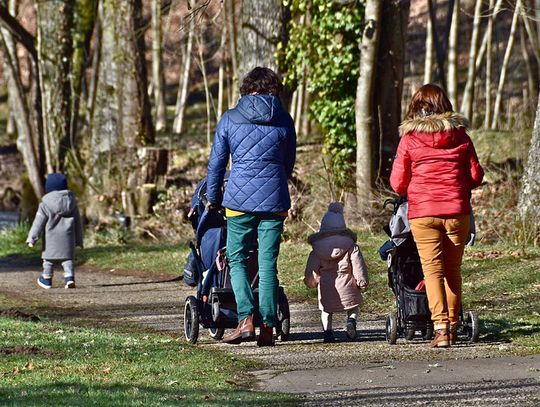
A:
[327,41]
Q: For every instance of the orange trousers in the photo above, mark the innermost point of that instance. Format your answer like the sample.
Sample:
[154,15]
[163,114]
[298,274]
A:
[440,243]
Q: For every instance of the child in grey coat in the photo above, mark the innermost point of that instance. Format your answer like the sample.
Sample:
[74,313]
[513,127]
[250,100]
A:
[58,223]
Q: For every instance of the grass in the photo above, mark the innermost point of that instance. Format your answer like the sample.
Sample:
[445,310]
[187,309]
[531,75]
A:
[52,364]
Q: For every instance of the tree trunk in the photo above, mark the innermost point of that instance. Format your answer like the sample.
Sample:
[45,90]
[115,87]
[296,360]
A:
[428,63]
[19,105]
[453,49]
[364,106]
[184,81]
[222,61]
[207,96]
[84,21]
[389,82]
[489,54]
[532,77]
[55,48]
[231,28]
[493,11]
[441,45]
[468,94]
[122,119]
[529,196]
[533,35]
[502,78]
[157,68]
[264,33]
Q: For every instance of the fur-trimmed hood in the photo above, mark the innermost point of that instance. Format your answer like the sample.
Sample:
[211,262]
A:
[434,123]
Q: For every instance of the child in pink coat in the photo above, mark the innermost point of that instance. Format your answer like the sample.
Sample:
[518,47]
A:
[336,266]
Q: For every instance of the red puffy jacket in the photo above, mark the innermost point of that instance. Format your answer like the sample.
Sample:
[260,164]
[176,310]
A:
[436,166]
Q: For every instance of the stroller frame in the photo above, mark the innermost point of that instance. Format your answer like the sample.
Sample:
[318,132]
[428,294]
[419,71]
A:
[412,312]
[213,306]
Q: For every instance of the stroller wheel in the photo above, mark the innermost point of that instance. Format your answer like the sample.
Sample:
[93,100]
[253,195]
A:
[409,334]
[191,319]
[427,332]
[391,328]
[284,317]
[216,333]
[472,327]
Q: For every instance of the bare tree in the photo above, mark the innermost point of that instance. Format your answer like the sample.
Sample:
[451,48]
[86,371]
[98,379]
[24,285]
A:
[428,63]
[54,26]
[232,33]
[468,94]
[202,67]
[502,78]
[365,175]
[184,80]
[389,82]
[489,54]
[452,55]
[529,196]
[158,80]
[264,26]
[222,60]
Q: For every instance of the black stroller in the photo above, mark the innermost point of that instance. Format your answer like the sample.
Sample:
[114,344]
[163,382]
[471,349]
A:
[213,306]
[406,280]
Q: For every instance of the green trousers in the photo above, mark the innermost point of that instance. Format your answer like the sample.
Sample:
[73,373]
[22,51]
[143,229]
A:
[243,234]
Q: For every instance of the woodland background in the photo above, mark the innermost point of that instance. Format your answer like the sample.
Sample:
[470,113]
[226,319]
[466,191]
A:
[124,97]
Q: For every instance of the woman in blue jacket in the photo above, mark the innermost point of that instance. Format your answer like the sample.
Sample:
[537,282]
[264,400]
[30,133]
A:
[259,136]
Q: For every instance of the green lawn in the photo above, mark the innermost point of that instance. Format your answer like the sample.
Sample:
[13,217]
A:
[52,364]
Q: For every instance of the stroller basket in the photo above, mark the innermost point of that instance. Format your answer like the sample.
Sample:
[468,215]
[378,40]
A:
[415,305]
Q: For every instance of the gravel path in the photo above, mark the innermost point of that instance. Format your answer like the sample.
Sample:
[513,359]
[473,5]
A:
[367,371]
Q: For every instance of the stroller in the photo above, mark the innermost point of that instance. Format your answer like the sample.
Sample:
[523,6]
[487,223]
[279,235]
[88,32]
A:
[406,280]
[213,306]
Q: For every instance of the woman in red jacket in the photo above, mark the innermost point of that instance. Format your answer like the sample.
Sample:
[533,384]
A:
[435,168]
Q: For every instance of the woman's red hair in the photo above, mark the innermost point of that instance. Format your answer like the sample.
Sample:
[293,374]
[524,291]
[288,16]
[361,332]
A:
[429,99]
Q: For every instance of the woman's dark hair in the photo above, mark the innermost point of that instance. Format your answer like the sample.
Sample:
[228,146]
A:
[262,81]
[429,99]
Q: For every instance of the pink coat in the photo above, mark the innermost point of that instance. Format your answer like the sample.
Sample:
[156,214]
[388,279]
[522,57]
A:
[337,267]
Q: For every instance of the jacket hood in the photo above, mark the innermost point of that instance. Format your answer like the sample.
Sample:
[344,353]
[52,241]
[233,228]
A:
[60,202]
[434,123]
[259,109]
[438,130]
[333,247]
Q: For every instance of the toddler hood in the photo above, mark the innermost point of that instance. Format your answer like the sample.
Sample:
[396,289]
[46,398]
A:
[60,202]
[332,247]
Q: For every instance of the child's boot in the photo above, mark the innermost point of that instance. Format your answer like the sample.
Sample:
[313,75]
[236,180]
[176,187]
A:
[44,282]
[351,328]
[69,282]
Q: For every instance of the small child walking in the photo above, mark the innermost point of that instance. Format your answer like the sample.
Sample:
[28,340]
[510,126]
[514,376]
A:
[58,223]
[336,266]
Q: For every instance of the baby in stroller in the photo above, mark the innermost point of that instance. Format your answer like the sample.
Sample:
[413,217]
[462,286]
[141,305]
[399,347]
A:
[213,306]
[337,268]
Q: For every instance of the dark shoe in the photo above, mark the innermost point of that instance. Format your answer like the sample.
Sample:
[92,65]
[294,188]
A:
[329,336]
[69,282]
[245,331]
[452,333]
[351,328]
[442,339]
[44,282]
[266,336]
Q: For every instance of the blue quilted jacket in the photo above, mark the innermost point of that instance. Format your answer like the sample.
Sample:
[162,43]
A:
[259,136]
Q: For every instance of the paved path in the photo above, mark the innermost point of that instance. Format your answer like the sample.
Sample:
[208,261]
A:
[367,371]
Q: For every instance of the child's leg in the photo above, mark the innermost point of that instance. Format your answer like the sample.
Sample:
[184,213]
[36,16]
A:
[47,269]
[69,270]
[326,319]
[352,313]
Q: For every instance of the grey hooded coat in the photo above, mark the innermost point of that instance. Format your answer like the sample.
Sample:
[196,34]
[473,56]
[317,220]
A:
[58,223]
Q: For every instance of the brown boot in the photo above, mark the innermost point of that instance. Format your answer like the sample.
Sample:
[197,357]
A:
[245,331]
[266,336]
[452,333]
[441,340]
